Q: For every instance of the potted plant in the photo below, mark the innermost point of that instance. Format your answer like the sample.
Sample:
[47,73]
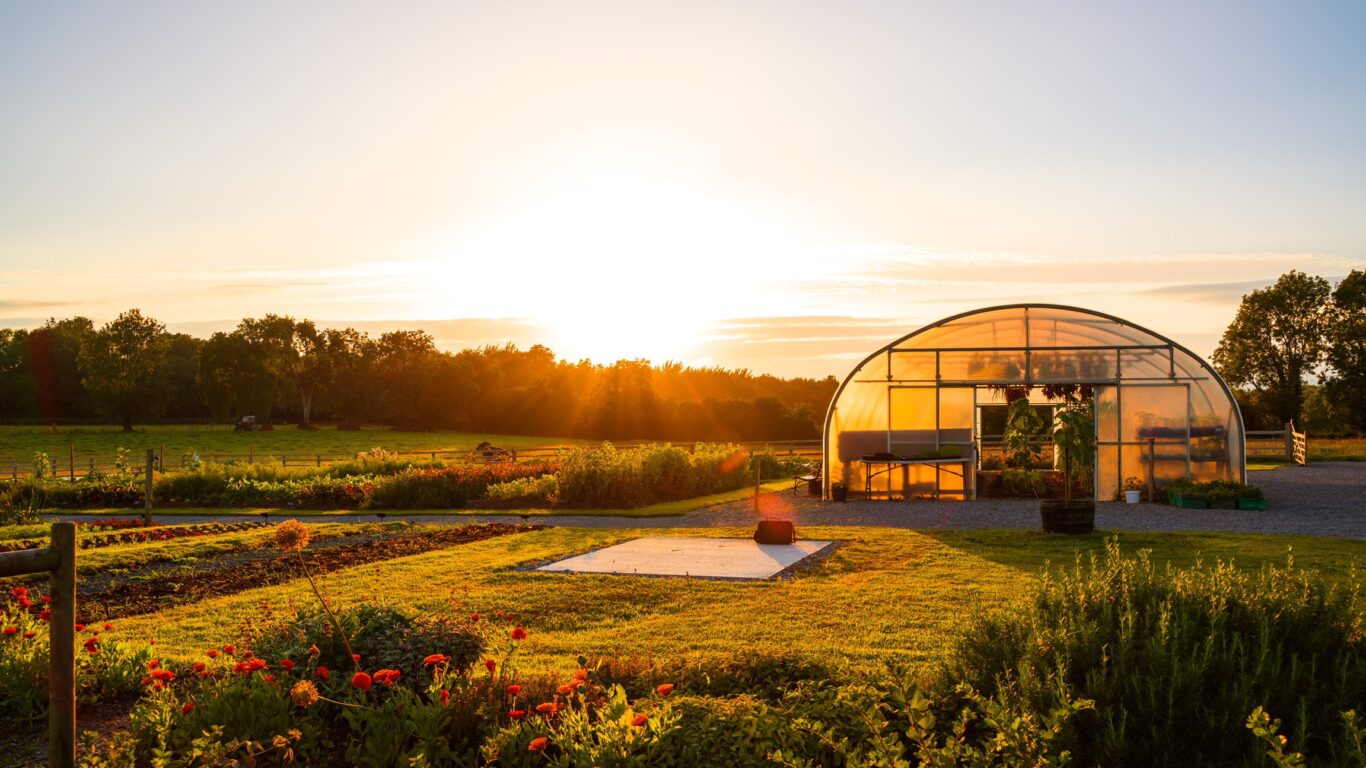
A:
[839,491]
[1074,433]
[1133,490]
[1221,495]
[1186,495]
[1251,497]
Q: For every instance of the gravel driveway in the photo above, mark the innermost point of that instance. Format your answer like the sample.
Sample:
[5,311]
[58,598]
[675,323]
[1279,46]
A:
[1324,499]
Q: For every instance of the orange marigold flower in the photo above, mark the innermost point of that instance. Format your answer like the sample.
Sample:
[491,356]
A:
[665,689]
[387,676]
[639,720]
[565,689]
[360,681]
[436,658]
[548,708]
[518,633]
[581,674]
[304,694]
[539,743]
[291,536]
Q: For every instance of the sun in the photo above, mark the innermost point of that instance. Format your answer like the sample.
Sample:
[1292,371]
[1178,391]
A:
[621,264]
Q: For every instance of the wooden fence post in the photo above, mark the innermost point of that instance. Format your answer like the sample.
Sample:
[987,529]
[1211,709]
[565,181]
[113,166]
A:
[1290,441]
[147,496]
[71,461]
[61,688]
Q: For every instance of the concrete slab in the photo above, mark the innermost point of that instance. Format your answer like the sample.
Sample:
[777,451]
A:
[699,557]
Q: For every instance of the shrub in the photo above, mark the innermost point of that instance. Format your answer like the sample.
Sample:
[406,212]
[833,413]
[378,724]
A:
[541,488]
[622,479]
[1176,658]
[385,638]
[448,487]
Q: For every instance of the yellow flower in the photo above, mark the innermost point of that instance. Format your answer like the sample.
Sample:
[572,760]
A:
[304,694]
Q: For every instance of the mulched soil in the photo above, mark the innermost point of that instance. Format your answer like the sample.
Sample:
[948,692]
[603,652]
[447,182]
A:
[231,574]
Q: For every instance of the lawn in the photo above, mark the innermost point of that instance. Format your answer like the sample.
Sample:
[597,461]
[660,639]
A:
[883,595]
[22,442]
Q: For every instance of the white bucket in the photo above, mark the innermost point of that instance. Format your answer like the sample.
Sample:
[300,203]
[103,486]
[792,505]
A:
[1132,497]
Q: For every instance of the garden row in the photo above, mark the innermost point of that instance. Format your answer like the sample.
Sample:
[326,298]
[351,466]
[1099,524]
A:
[584,477]
[132,532]
[1116,662]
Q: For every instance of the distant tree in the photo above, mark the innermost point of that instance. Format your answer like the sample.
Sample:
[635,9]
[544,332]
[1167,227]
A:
[54,362]
[271,343]
[351,391]
[17,396]
[184,399]
[1345,385]
[1276,340]
[125,368]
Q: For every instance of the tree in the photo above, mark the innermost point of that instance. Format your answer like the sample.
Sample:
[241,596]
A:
[54,354]
[125,368]
[1276,340]
[1345,386]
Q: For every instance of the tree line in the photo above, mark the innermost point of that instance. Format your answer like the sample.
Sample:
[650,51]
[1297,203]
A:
[1296,350]
[279,369]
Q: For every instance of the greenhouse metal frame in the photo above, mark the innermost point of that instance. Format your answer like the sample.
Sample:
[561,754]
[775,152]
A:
[908,421]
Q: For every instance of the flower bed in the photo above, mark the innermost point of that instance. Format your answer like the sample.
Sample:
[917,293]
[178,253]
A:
[135,534]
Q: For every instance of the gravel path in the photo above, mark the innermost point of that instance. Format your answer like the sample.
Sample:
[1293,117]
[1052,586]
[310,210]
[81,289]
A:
[1324,499]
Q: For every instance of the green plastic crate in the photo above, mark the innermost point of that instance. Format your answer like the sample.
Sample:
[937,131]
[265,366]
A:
[1251,503]
[1188,502]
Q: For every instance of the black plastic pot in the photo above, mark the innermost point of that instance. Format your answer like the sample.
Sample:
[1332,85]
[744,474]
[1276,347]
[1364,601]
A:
[839,492]
[1067,516]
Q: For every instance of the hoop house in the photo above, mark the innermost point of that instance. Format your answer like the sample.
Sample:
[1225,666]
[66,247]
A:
[912,419]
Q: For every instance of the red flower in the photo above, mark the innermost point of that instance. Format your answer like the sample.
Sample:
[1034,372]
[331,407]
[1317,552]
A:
[45,615]
[91,645]
[146,680]
[548,708]
[30,635]
[565,689]
[665,689]
[322,674]
[639,720]
[436,658]
[518,633]
[361,681]
[355,657]
[45,599]
[164,675]
[490,665]
[445,697]
[11,630]
[188,708]
[387,676]
[198,666]
[153,664]
[313,651]
[228,649]
[474,617]
[108,626]
[514,689]
[211,653]
[268,678]
[19,591]
[539,743]
[80,627]
[287,663]
[516,714]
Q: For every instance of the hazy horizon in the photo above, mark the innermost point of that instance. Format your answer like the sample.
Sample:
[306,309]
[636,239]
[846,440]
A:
[776,186]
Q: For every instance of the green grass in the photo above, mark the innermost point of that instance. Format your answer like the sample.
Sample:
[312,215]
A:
[883,594]
[662,509]
[22,442]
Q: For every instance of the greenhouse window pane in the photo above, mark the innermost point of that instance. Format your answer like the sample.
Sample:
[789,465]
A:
[986,365]
[1072,365]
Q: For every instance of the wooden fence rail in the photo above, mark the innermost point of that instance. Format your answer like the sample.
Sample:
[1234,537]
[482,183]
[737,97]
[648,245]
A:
[75,465]
[1285,443]
[58,560]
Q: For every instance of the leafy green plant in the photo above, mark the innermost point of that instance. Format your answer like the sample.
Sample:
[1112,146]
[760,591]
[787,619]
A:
[1185,652]
[1021,439]
[1023,483]
[541,488]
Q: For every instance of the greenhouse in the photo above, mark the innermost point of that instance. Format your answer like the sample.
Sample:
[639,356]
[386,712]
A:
[924,416]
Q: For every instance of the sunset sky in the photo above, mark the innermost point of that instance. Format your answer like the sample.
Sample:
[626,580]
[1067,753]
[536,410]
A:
[779,186]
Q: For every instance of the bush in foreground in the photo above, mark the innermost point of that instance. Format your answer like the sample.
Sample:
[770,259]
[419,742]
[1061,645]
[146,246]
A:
[1175,659]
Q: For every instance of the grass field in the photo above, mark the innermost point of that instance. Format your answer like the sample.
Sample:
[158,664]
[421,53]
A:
[883,594]
[22,442]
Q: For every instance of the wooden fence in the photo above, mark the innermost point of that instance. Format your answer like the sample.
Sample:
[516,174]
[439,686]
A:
[58,560]
[1286,444]
[75,464]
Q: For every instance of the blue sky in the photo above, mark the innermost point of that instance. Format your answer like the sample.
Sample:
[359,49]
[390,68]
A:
[779,186]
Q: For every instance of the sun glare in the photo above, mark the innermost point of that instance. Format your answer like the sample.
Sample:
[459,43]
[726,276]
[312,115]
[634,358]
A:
[620,264]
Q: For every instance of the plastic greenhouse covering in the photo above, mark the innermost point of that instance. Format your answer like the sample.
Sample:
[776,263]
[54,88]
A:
[1161,411]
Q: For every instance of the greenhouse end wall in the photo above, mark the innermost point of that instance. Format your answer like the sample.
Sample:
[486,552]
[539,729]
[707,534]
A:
[907,421]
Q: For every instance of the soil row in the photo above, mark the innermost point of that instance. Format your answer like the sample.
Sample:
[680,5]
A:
[148,596]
